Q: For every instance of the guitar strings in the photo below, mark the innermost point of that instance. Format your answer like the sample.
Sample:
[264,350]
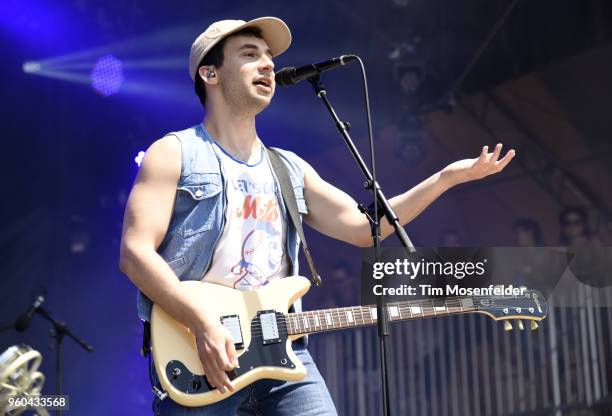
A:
[339,322]
[366,309]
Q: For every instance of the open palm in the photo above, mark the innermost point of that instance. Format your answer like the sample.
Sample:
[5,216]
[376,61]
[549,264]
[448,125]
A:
[472,169]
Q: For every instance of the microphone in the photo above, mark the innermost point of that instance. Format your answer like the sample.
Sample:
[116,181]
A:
[23,322]
[291,75]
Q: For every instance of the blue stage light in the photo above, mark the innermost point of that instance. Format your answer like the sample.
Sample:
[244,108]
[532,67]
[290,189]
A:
[30,67]
[107,75]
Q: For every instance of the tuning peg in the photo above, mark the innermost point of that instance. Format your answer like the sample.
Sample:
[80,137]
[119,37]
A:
[520,325]
[534,325]
[507,326]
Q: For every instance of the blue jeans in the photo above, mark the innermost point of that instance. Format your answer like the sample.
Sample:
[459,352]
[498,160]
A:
[308,397]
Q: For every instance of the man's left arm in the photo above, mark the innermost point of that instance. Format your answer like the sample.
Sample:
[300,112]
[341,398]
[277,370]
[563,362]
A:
[335,214]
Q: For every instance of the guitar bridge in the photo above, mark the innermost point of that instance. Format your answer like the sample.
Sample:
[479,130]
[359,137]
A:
[232,324]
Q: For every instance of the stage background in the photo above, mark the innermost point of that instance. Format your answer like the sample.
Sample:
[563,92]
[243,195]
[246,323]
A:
[440,89]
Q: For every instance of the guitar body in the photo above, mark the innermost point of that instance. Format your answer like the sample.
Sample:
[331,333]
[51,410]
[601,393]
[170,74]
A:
[256,320]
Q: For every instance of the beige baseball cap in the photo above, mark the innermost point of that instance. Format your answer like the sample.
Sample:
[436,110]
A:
[273,30]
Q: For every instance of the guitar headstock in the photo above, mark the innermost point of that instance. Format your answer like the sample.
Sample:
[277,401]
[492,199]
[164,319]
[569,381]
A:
[530,305]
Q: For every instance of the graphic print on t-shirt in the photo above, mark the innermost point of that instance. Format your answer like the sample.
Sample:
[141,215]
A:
[262,248]
[250,251]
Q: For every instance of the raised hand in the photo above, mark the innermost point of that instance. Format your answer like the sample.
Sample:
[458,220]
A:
[472,169]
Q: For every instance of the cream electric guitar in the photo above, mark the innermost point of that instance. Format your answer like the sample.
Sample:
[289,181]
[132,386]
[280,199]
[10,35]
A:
[263,330]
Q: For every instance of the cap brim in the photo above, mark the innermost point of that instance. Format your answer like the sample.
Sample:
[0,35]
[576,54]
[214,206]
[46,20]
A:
[273,30]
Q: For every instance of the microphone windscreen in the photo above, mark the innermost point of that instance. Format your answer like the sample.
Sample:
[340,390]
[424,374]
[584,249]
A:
[23,322]
[284,77]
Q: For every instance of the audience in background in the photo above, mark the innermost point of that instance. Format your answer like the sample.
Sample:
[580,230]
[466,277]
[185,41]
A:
[527,233]
[534,268]
[346,285]
[575,229]
[590,262]
[342,287]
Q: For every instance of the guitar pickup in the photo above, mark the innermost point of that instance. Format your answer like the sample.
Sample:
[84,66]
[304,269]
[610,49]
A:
[232,324]
[269,327]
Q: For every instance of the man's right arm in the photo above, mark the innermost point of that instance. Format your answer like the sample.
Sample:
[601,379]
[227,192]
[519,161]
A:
[147,217]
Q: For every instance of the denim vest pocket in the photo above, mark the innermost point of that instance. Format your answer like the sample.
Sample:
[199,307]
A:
[197,198]
[177,263]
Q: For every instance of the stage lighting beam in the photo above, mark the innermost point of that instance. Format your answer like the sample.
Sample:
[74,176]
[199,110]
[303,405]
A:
[31,67]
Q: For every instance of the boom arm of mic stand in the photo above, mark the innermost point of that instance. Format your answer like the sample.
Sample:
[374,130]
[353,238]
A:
[62,329]
[371,184]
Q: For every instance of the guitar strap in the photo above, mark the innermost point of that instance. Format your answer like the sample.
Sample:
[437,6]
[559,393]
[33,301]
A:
[290,202]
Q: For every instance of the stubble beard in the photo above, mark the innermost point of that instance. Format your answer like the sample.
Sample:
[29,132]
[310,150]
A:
[241,99]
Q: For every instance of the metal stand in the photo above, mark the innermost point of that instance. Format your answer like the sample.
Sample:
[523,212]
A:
[58,332]
[379,198]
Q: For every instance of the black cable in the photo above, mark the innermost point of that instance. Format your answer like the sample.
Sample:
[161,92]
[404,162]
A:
[382,324]
[366,96]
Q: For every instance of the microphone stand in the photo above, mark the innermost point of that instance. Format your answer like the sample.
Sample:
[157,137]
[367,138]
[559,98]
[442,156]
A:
[370,183]
[58,332]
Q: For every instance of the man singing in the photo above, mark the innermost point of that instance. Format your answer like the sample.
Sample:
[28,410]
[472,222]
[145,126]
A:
[206,205]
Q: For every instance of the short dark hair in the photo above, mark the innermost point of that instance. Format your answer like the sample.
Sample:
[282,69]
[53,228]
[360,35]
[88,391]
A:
[531,225]
[584,218]
[215,57]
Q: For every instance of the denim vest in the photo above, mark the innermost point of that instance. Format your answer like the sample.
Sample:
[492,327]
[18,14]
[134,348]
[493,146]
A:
[198,215]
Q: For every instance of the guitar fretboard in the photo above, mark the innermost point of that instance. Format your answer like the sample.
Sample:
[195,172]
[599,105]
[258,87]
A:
[354,316]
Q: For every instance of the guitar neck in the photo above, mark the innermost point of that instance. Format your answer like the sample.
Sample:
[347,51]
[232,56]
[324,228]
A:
[299,323]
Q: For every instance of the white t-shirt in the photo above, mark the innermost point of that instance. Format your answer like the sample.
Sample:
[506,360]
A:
[251,249]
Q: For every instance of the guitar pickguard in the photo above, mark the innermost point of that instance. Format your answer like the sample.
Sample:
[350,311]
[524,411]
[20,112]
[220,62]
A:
[268,348]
